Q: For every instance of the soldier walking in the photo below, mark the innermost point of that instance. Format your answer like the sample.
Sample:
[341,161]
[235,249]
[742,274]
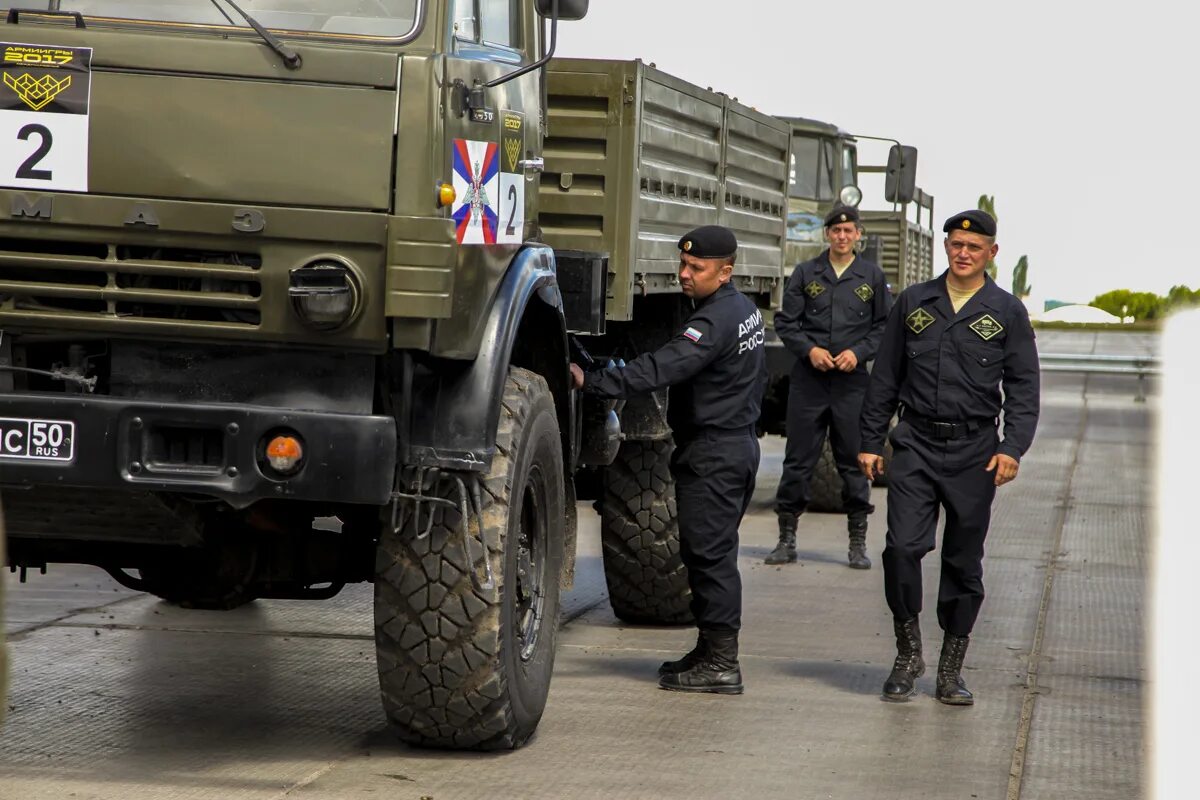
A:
[834,311]
[716,369]
[949,346]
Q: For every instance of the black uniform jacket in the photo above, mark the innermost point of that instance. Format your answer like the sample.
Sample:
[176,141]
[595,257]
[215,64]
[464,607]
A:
[715,365]
[821,310]
[949,367]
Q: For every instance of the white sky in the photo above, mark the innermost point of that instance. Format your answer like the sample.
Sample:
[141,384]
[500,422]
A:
[1080,118]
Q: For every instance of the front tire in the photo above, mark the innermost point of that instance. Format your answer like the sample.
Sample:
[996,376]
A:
[463,665]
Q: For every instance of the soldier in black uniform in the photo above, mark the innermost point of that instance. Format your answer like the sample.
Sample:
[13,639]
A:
[949,345]
[716,369]
[833,315]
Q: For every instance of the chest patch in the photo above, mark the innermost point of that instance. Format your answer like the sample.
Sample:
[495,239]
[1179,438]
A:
[918,320]
[865,293]
[814,289]
[987,327]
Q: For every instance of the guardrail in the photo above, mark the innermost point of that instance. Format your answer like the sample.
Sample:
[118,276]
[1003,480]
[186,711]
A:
[1094,364]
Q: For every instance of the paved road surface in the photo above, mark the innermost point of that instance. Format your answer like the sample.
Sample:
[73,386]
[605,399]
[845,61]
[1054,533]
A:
[116,696]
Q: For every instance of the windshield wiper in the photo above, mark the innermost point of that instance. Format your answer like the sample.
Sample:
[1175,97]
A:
[291,58]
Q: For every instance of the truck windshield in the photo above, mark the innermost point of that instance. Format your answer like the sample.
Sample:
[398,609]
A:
[376,19]
[813,163]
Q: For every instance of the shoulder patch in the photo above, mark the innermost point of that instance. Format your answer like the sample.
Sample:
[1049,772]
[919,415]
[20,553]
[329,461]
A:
[987,327]
[918,320]
[865,292]
[693,334]
[814,289]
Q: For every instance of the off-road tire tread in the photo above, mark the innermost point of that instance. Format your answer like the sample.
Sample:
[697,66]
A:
[826,483]
[438,638]
[647,581]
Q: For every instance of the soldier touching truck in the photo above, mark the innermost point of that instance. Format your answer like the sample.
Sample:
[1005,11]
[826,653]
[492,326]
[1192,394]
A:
[715,368]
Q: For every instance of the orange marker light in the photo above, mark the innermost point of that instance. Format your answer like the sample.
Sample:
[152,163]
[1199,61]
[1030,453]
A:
[445,194]
[284,453]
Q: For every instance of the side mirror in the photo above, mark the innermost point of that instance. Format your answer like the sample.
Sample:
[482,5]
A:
[568,10]
[900,183]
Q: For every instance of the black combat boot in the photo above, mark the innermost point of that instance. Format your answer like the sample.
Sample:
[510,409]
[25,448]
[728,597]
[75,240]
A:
[717,671]
[857,556]
[694,656]
[785,551]
[950,687]
[902,683]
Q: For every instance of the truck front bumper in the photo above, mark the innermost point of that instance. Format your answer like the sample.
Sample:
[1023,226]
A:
[209,450]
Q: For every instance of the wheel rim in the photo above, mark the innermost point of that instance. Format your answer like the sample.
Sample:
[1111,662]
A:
[532,538]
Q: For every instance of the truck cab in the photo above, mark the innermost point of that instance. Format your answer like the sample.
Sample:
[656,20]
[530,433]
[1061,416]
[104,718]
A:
[274,318]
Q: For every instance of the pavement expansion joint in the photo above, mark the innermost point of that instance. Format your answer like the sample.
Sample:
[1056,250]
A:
[1033,661]
[117,626]
[60,621]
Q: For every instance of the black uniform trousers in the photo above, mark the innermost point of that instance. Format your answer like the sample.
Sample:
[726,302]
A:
[819,402]
[714,480]
[928,473]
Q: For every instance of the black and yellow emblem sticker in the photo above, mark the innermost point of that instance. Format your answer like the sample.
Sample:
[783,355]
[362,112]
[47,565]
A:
[814,289]
[918,320]
[987,327]
[865,293]
[512,140]
[36,77]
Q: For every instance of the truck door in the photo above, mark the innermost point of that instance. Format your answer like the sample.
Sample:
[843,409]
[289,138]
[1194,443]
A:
[487,147]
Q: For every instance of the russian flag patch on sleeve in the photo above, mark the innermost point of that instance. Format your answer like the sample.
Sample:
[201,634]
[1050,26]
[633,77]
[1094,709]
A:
[693,334]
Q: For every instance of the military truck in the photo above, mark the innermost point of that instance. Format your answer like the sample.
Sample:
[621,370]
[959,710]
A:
[824,172]
[284,305]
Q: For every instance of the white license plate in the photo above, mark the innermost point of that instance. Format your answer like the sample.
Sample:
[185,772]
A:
[37,439]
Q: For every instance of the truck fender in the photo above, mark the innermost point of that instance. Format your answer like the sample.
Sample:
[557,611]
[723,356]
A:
[455,406]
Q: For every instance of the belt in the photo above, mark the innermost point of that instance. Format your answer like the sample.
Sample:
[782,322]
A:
[946,428]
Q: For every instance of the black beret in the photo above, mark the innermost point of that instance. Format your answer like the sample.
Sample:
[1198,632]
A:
[841,214]
[709,241]
[975,221]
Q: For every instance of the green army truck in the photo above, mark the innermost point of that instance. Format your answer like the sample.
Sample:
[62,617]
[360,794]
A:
[285,305]
[825,172]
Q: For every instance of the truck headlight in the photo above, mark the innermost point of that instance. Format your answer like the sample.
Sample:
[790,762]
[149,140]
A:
[324,294]
[851,195]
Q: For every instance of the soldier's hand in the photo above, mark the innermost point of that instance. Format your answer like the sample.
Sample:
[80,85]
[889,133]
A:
[821,359]
[576,376]
[846,361]
[1005,466]
[871,465]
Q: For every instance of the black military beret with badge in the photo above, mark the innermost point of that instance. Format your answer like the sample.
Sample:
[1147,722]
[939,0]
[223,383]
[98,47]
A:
[841,214]
[709,241]
[974,221]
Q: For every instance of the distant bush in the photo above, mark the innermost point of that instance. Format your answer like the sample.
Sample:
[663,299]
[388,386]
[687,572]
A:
[1146,305]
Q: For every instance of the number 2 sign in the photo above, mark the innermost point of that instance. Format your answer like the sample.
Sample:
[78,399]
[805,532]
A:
[44,96]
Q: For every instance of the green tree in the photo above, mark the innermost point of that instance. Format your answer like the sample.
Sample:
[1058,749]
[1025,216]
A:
[1126,303]
[1181,297]
[988,205]
[1021,287]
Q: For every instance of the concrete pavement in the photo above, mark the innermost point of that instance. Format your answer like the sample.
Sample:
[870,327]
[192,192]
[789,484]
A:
[116,695]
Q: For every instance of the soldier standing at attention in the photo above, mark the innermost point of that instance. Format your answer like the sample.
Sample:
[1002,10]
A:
[716,369]
[950,344]
[834,311]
